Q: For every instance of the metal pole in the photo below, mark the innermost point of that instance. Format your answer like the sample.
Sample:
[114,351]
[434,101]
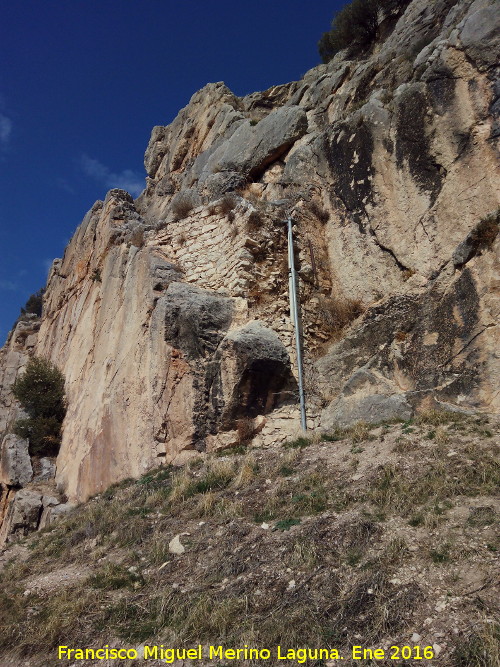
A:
[295,315]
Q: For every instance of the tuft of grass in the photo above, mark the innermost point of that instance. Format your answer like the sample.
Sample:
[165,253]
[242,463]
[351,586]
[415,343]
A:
[396,551]
[215,478]
[96,276]
[181,484]
[396,490]
[416,520]
[481,648]
[286,524]
[298,443]
[304,555]
[360,433]
[482,516]
[112,576]
[439,418]
[228,203]
[353,556]
[441,436]
[182,206]
[337,313]
[313,502]
[441,554]
[317,210]
[254,221]
[246,472]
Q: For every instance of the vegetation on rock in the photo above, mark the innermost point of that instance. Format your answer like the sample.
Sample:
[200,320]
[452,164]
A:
[356,26]
[40,390]
[34,304]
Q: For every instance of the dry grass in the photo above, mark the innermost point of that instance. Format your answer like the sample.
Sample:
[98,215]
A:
[182,206]
[228,203]
[246,473]
[345,544]
[441,436]
[487,231]
[440,418]
[337,313]
[481,648]
[317,210]
[254,221]
[360,433]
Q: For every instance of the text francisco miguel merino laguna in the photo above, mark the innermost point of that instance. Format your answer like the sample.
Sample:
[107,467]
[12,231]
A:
[299,655]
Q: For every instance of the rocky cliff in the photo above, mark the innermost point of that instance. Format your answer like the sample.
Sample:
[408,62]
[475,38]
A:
[169,315]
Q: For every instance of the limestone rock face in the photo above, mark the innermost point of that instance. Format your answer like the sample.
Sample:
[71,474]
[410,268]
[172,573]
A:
[15,462]
[13,357]
[170,317]
[480,34]
[22,516]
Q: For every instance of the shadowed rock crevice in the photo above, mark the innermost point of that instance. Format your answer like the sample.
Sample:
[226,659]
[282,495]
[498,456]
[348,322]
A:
[349,151]
[413,147]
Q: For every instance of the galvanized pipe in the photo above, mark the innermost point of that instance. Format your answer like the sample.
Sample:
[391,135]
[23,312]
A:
[294,308]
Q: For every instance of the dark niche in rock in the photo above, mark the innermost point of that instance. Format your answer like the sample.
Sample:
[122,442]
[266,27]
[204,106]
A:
[413,141]
[349,152]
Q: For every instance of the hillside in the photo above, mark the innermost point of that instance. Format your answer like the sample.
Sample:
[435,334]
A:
[375,537]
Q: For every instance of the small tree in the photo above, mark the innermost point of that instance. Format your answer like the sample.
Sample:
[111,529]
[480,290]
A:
[40,390]
[356,25]
[34,304]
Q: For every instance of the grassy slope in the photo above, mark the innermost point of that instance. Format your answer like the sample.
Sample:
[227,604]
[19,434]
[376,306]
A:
[373,535]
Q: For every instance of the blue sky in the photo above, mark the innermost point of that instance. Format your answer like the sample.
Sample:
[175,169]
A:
[83,82]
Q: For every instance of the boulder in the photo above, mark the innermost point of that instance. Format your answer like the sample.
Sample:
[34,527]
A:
[53,510]
[480,35]
[348,411]
[251,148]
[22,515]
[255,372]
[195,319]
[15,462]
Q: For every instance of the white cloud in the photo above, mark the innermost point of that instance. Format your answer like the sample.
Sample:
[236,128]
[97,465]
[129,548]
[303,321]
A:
[8,285]
[64,185]
[126,179]
[5,128]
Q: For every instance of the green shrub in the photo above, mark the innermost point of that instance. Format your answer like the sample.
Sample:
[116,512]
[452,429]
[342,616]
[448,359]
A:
[286,524]
[355,26]
[96,276]
[40,390]
[34,303]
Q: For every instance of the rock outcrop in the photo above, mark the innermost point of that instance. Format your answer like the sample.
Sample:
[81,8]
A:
[169,315]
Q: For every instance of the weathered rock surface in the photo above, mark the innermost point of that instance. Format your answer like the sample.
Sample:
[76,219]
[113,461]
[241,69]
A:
[15,462]
[22,516]
[169,315]
[255,372]
[13,357]
[45,469]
